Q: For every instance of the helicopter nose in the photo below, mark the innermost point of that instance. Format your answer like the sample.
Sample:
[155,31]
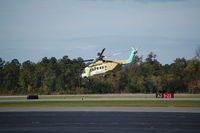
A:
[83,75]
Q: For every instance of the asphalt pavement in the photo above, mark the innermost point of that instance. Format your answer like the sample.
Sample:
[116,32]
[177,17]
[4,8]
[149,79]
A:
[101,109]
[99,122]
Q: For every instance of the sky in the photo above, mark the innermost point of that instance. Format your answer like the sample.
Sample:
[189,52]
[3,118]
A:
[33,29]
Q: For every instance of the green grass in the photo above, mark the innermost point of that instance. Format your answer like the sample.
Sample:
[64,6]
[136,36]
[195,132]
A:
[12,98]
[93,96]
[151,103]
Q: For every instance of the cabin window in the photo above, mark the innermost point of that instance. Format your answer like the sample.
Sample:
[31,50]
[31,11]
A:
[102,67]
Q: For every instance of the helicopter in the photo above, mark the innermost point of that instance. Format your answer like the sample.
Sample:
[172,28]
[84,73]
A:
[102,66]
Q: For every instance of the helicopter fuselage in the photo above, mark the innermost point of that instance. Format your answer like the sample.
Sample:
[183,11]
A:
[101,67]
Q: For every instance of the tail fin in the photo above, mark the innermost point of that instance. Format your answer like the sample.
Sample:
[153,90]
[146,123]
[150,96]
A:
[132,56]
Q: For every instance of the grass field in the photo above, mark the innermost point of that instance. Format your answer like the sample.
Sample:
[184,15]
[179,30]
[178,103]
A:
[99,96]
[151,103]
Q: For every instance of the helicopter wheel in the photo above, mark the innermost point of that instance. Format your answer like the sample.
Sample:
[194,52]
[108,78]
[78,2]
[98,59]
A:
[105,76]
[89,80]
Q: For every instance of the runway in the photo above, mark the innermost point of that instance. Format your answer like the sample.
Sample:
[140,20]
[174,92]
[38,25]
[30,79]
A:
[102,99]
[99,122]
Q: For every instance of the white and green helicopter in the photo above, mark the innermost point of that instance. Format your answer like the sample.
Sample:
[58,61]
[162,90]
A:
[101,66]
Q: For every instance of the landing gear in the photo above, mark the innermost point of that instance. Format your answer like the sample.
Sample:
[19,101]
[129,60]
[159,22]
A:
[89,80]
[105,76]
[108,75]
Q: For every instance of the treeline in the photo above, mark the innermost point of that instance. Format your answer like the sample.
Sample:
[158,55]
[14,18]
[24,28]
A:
[62,76]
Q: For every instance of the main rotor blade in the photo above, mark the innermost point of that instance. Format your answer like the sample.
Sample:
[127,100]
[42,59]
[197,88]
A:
[102,52]
[88,60]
